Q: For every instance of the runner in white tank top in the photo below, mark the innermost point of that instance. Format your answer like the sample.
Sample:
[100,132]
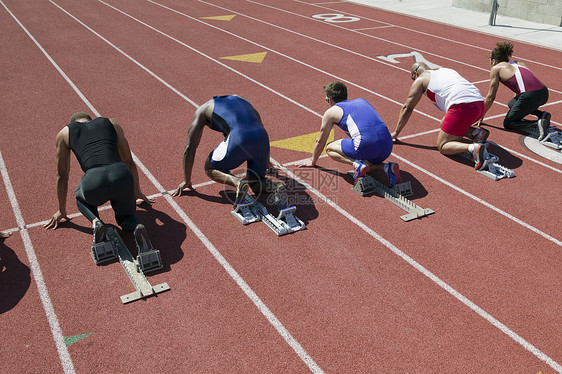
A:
[462,102]
[447,87]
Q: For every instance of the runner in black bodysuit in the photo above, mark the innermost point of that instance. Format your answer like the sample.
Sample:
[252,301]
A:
[110,173]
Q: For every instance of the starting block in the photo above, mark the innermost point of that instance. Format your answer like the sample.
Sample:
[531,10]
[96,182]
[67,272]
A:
[250,211]
[368,185]
[146,261]
[492,169]
[103,252]
[553,139]
[285,223]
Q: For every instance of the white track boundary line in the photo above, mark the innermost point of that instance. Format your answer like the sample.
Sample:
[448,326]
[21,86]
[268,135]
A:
[261,46]
[481,201]
[445,286]
[273,320]
[529,347]
[56,331]
[440,37]
[556,241]
[285,97]
[387,40]
[326,43]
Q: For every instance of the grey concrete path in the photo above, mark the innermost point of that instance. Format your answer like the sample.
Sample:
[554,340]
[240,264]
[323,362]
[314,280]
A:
[443,11]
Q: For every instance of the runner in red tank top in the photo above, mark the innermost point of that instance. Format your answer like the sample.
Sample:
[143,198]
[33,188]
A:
[530,92]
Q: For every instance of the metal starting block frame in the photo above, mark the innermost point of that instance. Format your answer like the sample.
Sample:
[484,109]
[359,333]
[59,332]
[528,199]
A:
[146,261]
[285,223]
[251,211]
[368,185]
[552,140]
[491,169]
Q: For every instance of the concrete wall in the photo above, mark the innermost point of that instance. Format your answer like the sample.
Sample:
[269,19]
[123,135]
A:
[540,11]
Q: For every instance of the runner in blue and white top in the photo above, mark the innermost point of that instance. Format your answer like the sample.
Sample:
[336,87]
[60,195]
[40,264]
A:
[370,142]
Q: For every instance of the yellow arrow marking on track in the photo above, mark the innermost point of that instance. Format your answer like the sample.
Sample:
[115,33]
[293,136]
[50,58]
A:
[302,143]
[221,18]
[252,57]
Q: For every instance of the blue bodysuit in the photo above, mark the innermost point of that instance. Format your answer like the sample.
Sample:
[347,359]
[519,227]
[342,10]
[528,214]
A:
[370,138]
[245,137]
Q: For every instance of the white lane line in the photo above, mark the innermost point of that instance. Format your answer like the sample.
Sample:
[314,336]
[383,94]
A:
[463,299]
[529,347]
[410,48]
[283,96]
[267,48]
[481,201]
[56,331]
[440,37]
[318,41]
[273,320]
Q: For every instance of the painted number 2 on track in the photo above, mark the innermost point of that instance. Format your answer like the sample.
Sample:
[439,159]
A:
[335,18]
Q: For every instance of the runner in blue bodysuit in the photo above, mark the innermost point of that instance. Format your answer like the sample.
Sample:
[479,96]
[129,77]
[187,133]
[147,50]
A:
[370,143]
[245,140]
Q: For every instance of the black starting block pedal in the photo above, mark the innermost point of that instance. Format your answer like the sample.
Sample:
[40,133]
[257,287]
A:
[149,261]
[367,185]
[148,258]
[103,252]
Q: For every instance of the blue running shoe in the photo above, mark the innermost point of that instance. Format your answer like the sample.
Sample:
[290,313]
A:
[361,168]
[392,169]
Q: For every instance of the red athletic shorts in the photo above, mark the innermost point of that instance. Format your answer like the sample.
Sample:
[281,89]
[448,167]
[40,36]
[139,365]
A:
[459,117]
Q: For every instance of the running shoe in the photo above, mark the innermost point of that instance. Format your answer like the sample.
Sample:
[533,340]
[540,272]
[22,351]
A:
[392,169]
[543,124]
[280,196]
[100,230]
[241,192]
[479,156]
[481,135]
[361,168]
[141,238]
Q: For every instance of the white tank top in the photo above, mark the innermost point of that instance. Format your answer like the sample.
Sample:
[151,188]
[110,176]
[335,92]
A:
[447,87]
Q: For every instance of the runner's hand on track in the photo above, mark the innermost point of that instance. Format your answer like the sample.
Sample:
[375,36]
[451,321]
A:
[54,221]
[183,185]
[143,197]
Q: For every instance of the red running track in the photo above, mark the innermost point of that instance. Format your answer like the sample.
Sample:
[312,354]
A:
[473,288]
